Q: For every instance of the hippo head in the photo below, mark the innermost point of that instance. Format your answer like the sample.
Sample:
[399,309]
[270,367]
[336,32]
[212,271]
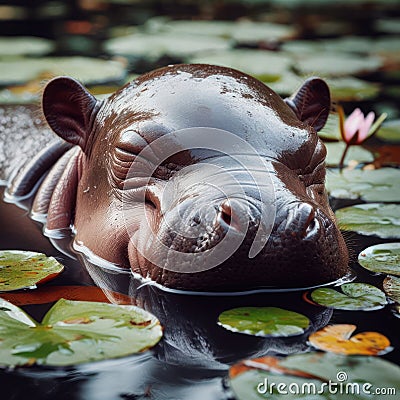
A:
[198,177]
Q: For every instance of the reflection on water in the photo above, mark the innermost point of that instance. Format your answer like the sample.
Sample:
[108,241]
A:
[195,352]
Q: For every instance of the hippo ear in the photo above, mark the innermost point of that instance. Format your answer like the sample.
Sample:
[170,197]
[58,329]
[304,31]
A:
[311,103]
[69,110]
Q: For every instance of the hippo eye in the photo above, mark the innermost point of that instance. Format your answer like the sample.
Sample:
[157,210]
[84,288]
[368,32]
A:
[317,192]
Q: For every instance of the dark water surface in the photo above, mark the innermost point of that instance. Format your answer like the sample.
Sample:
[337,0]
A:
[194,355]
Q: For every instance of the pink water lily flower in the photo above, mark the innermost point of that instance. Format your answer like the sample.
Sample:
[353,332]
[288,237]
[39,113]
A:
[357,127]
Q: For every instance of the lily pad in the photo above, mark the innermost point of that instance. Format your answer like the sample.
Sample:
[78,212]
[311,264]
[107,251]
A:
[25,45]
[390,131]
[388,25]
[379,219]
[338,339]
[354,296]
[264,65]
[263,321]
[305,376]
[382,258]
[153,46]
[26,269]
[368,185]
[337,64]
[331,130]
[352,89]
[391,286]
[90,71]
[74,332]
[355,153]
[188,27]
[248,32]
[286,84]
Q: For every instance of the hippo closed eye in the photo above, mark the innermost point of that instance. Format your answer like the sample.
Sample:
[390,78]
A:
[198,177]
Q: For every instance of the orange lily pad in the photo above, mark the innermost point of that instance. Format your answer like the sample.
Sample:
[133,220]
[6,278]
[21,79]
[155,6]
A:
[337,339]
[267,363]
[49,294]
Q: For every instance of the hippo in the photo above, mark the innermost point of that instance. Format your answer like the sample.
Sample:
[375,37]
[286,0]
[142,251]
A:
[185,162]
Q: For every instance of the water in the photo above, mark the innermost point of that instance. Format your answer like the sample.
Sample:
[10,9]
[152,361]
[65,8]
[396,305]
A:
[193,358]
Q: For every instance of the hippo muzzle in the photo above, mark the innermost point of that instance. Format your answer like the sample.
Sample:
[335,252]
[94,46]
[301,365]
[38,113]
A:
[198,177]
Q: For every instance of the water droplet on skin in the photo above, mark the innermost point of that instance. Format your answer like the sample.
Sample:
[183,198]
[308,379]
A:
[86,190]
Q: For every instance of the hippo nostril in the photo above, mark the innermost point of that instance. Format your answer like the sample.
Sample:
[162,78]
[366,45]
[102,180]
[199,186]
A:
[302,221]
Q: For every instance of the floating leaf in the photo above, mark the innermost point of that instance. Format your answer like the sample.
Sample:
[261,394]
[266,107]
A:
[391,286]
[49,294]
[352,89]
[286,84]
[388,25]
[337,339]
[348,369]
[188,27]
[331,130]
[23,269]
[74,332]
[89,71]
[263,321]
[368,185]
[337,64]
[355,153]
[264,65]
[354,296]
[249,32]
[305,376]
[390,131]
[383,258]
[153,46]
[25,45]
[379,219]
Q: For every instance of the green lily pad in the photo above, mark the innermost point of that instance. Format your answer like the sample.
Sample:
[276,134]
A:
[26,269]
[249,32]
[391,286]
[153,46]
[354,296]
[335,64]
[263,321]
[331,130]
[350,44]
[355,153]
[379,219]
[286,84]
[25,45]
[90,71]
[305,376]
[301,47]
[390,131]
[388,25]
[188,27]
[352,89]
[264,65]
[377,185]
[74,332]
[383,258]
